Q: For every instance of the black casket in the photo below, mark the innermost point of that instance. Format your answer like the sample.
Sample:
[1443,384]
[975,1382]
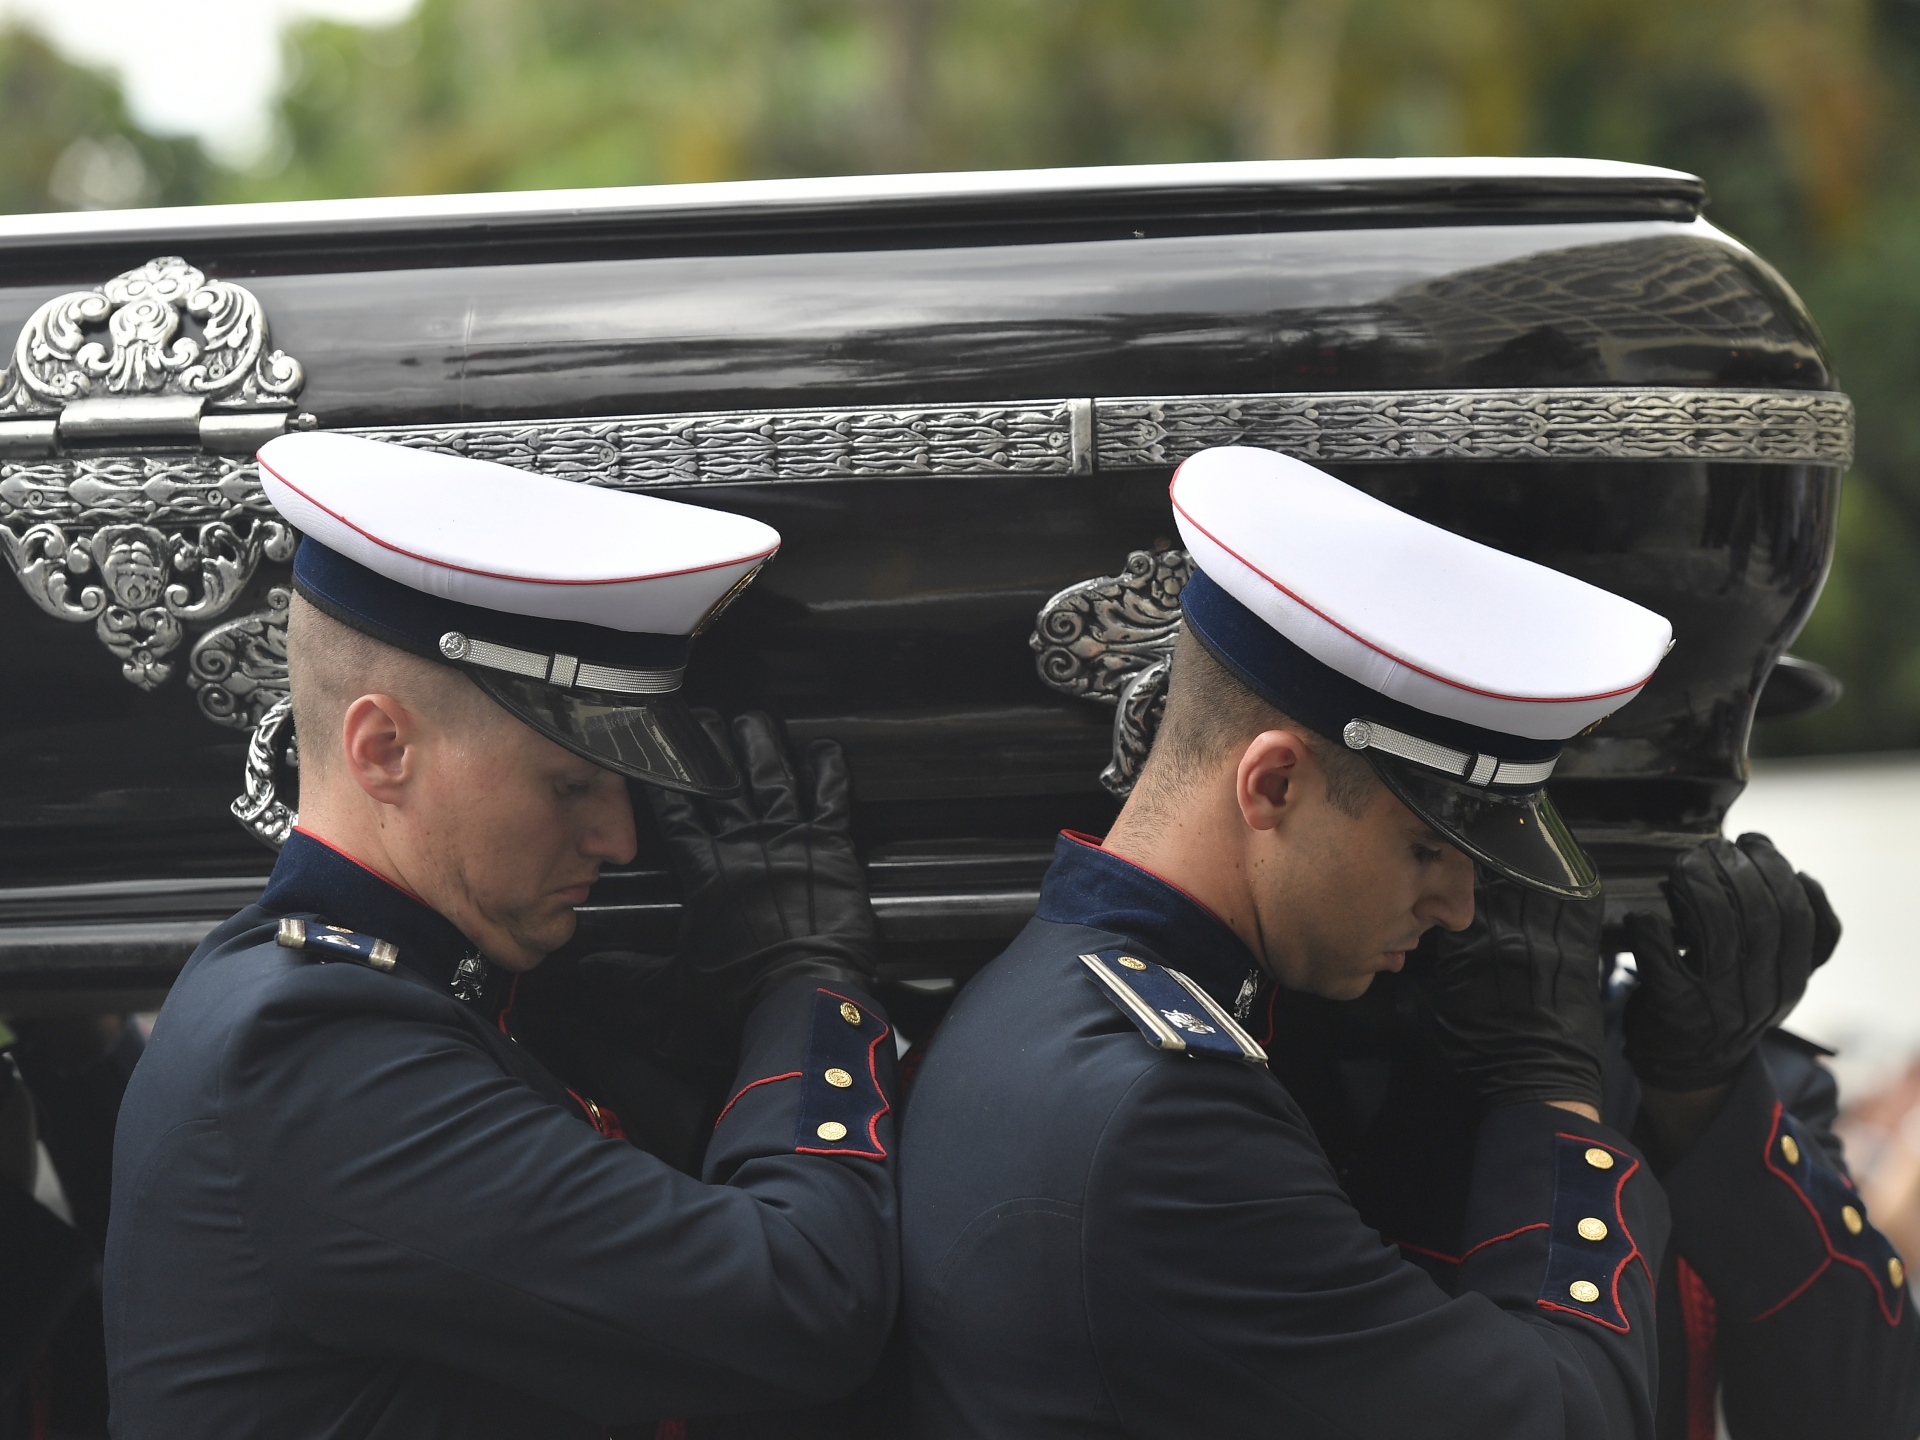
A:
[959,398]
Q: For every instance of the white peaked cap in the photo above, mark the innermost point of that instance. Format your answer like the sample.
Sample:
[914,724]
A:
[503,539]
[1421,615]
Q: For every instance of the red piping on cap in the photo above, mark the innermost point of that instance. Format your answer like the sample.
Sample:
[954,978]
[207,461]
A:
[1455,684]
[492,575]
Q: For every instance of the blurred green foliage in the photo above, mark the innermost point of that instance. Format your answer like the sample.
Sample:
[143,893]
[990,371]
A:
[70,143]
[1801,114]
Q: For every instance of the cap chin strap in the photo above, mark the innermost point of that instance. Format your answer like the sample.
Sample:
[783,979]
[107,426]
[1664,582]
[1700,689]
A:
[1461,764]
[567,672]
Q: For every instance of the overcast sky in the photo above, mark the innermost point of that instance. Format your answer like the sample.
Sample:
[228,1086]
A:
[204,67]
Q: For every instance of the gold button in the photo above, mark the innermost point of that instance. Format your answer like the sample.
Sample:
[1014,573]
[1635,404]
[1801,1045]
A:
[1133,964]
[838,1078]
[1592,1229]
[1600,1159]
[1896,1272]
[1790,1148]
[1585,1291]
[849,1013]
[1850,1217]
[832,1130]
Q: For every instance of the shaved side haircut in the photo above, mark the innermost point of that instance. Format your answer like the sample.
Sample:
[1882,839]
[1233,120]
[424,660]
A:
[1211,715]
[331,665]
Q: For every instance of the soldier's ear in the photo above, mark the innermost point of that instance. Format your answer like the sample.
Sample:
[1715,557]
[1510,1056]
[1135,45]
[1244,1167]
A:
[1267,779]
[377,747]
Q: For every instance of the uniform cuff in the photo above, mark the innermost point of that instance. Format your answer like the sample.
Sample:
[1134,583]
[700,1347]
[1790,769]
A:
[1563,1216]
[816,1078]
[1760,1212]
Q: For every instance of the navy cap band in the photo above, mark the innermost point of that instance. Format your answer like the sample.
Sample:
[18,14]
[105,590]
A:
[414,621]
[1317,695]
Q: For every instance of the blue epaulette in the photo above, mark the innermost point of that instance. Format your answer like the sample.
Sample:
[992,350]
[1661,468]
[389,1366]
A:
[1171,1011]
[333,943]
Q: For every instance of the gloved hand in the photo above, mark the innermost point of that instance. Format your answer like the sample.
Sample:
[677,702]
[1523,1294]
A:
[1516,995]
[772,886]
[1746,933]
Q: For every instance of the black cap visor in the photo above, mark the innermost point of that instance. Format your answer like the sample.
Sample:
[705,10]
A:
[650,738]
[1517,833]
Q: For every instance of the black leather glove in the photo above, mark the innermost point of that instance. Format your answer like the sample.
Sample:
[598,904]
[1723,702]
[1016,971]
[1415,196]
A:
[1745,935]
[772,886]
[1516,995]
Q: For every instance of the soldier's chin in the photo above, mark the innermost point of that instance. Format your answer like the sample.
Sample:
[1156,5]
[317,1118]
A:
[1348,987]
[545,933]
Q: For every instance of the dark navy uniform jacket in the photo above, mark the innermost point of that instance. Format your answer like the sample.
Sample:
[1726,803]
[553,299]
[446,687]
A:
[1101,1237]
[1770,1293]
[346,1203]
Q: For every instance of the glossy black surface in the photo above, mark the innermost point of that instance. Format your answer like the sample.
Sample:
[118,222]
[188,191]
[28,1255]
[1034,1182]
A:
[896,617]
[855,213]
[1416,308]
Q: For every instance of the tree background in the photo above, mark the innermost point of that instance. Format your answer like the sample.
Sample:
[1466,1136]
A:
[1802,115]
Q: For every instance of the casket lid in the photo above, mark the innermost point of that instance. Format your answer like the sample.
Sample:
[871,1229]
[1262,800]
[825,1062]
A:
[1389,191]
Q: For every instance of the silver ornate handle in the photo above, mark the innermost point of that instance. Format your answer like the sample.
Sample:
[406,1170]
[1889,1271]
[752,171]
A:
[259,807]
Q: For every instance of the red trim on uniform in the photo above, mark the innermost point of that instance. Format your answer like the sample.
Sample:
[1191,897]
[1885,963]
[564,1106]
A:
[1699,1316]
[1455,684]
[1795,1293]
[670,1430]
[879,1151]
[513,993]
[1093,842]
[1600,1320]
[1273,996]
[1537,1225]
[1462,1259]
[1892,1317]
[491,575]
[1619,1219]
[384,880]
[751,1085]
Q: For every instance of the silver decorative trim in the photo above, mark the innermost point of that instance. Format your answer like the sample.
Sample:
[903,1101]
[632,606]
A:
[238,670]
[148,349]
[142,545]
[727,447]
[1475,769]
[1249,1047]
[565,671]
[1078,437]
[531,664]
[628,682]
[1165,1036]
[1110,639]
[259,808]
[1600,423]
[139,546]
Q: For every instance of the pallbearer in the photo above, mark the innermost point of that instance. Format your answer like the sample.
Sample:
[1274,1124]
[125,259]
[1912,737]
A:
[346,1201]
[1115,1219]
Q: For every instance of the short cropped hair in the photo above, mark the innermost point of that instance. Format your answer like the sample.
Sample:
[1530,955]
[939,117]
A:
[330,665]
[1211,713]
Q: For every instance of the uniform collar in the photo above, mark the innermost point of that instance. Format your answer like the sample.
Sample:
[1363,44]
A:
[1087,885]
[315,878]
